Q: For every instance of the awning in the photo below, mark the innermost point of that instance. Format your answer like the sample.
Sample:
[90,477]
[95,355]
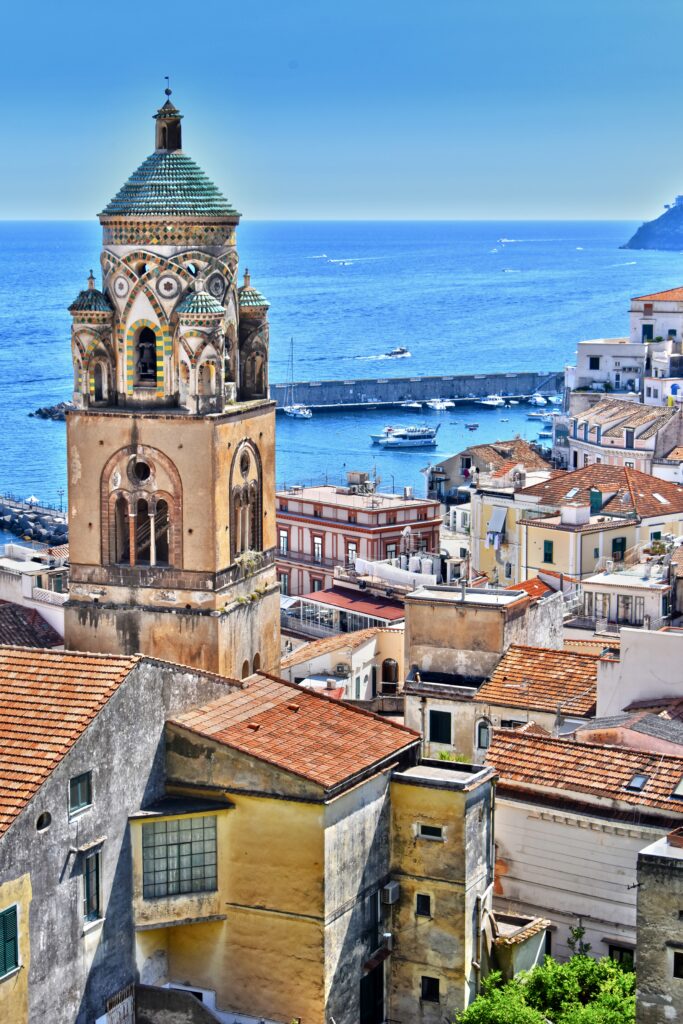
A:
[497,520]
[357,601]
[287,602]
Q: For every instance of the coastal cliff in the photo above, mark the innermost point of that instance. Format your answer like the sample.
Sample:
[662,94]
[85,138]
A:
[666,232]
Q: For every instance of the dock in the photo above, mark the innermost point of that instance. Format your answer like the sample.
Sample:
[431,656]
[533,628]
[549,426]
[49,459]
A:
[388,391]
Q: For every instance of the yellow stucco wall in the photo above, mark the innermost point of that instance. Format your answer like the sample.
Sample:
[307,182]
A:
[438,946]
[14,987]
[266,955]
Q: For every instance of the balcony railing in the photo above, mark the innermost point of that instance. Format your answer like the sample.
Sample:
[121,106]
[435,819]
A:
[53,597]
[296,625]
[306,558]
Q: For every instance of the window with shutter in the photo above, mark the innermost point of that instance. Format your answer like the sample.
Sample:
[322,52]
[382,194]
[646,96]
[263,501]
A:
[9,943]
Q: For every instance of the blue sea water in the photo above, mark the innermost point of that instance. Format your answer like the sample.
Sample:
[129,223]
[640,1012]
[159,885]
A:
[464,297]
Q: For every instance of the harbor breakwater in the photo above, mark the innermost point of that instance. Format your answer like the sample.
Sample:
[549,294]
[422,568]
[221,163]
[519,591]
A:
[375,391]
[33,522]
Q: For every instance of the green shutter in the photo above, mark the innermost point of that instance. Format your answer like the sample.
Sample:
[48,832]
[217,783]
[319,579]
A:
[9,947]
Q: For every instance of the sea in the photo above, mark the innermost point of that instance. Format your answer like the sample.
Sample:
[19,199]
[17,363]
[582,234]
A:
[462,297]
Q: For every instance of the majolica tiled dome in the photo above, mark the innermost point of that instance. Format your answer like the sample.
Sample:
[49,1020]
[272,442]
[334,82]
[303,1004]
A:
[249,298]
[199,303]
[91,300]
[169,184]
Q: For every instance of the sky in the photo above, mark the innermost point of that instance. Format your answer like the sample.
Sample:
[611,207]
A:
[350,109]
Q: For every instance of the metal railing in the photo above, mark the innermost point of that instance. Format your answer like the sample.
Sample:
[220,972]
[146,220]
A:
[53,597]
[305,558]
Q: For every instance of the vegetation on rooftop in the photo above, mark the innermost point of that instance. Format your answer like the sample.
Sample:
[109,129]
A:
[580,991]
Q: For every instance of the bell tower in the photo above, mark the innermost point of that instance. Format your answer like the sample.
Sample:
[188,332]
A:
[171,447]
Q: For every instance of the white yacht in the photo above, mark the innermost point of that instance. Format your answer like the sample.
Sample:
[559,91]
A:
[416,406]
[440,404]
[537,400]
[420,433]
[294,409]
[493,401]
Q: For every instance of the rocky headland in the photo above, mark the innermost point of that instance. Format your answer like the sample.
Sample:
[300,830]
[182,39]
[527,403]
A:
[666,232]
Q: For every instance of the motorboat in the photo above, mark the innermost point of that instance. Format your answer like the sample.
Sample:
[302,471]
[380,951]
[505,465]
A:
[417,433]
[537,400]
[555,399]
[538,416]
[493,401]
[472,426]
[512,401]
[291,408]
[545,433]
[397,353]
[417,406]
[407,438]
[439,404]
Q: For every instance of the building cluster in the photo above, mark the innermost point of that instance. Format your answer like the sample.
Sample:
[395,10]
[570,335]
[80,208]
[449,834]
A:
[325,754]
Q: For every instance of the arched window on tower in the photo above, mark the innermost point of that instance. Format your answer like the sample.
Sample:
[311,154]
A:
[98,382]
[121,531]
[161,528]
[142,533]
[145,358]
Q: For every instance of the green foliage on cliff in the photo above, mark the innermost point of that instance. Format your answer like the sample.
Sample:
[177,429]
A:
[580,991]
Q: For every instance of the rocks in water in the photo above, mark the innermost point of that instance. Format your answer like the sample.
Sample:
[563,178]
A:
[47,527]
[53,412]
[666,232]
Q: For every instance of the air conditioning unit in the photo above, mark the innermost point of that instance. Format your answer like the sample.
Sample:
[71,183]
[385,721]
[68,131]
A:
[342,669]
[390,893]
[388,940]
[609,565]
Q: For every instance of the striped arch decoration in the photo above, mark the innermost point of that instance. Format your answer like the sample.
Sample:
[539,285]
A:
[163,350]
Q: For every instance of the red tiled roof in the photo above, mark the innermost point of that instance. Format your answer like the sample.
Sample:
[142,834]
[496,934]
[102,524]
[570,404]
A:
[670,295]
[510,453]
[533,587]
[625,490]
[360,602]
[47,700]
[298,730]
[25,627]
[330,644]
[539,679]
[602,771]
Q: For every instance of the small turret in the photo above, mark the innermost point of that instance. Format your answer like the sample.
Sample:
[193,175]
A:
[168,130]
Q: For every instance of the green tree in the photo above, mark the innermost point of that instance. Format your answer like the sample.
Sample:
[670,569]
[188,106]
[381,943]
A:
[580,991]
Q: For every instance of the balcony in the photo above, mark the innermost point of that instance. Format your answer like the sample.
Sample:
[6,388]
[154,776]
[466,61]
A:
[305,558]
[53,597]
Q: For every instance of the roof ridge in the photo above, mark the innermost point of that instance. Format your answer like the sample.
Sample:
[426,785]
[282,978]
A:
[74,654]
[606,747]
[549,650]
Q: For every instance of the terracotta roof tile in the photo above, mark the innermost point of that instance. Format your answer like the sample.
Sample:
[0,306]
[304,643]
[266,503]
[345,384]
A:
[25,627]
[500,453]
[47,700]
[301,731]
[602,771]
[539,679]
[533,587]
[329,644]
[624,490]
[670,295]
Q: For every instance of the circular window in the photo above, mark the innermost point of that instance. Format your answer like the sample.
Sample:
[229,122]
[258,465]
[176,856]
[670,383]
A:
[44,821]
[141,470]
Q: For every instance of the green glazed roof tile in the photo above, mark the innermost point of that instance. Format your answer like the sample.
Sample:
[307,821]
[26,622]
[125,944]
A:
[250,297]
[91,301]
[169,184]
[199,302]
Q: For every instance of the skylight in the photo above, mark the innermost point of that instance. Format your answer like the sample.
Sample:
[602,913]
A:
[678,791]
[570,494]
[637,783]
[660,499]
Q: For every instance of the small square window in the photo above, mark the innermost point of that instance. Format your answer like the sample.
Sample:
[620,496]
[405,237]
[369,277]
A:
[678,965]
[439,727]
[594,362]
[423,905]
[430,831]
[80,793]
[623,955]
[430,989]
[637,783]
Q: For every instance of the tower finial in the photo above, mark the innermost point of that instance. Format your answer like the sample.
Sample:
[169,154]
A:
[247,278]
[91,280]
[168,89]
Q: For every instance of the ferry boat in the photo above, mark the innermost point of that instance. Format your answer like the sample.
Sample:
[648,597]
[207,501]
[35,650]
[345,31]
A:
[493,401]
[421,434]
[409,439]
[398,353]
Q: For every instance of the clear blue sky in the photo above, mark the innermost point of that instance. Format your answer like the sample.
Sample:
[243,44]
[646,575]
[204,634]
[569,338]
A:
[350,108]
